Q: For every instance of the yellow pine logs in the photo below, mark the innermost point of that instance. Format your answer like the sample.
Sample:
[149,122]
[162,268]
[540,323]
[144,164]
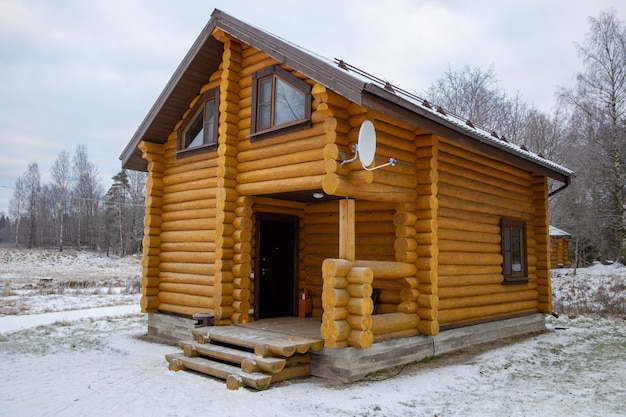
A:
[153,153]
[242,237]
[542,245]
[348,307]
[347,304]
[424,222]
[474,193]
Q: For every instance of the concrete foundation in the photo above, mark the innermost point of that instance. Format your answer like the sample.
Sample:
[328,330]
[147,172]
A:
[166,328]
[352,364]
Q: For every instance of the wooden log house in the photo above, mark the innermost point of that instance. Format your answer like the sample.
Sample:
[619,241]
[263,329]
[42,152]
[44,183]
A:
[559,248]
[250,206]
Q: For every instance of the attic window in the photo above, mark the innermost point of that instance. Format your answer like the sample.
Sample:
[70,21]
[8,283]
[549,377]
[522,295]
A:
[198,132]
[514,251]
[281,103]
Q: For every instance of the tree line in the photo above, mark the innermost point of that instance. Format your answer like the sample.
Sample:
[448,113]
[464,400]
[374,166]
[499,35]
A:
[585,131]
[72,210]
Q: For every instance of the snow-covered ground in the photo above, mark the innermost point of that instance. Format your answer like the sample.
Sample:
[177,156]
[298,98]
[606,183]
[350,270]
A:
[96,362]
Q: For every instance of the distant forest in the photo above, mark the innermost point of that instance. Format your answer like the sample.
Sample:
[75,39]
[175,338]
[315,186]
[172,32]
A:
[584,131]
[74,211]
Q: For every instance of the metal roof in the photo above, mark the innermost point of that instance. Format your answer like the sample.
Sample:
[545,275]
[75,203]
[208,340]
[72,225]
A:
[356,85]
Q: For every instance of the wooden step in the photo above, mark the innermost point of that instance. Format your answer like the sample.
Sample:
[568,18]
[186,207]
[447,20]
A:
[264,343]
[249,361]
[234,376]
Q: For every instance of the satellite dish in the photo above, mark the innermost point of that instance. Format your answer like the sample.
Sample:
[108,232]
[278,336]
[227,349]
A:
[365,149]
[367,143]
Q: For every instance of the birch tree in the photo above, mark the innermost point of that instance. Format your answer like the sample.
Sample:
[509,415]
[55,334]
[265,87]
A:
[17,205]
[32,183]
[61,184]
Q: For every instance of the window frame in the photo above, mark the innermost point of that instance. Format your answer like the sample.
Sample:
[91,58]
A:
[507,226]
[190,119]
[292,81]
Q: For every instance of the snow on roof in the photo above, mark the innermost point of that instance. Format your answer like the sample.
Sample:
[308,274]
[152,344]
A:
[556,232]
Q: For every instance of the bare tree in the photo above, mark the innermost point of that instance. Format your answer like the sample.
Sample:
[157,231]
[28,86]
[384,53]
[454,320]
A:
[87,192]
[599,98]
[17,205]
[137,196]
[32,182]
[61,185]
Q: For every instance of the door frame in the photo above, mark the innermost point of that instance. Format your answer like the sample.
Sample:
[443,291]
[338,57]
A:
[285,218]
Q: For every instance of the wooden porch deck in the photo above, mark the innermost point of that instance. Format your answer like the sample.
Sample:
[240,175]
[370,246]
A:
[305,327]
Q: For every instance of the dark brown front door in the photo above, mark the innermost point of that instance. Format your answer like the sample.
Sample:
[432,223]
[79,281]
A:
[276,266]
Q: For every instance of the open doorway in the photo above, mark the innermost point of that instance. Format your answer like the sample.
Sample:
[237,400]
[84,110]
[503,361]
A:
[276,266]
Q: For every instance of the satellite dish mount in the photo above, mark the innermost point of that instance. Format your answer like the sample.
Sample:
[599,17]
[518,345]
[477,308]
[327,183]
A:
[365,148]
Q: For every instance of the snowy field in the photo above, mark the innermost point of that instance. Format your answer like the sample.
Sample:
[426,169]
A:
[61,357]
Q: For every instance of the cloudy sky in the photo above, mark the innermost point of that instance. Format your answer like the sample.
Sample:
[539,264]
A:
[87,71]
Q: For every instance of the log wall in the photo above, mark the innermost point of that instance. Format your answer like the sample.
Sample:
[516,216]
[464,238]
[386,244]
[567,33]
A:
[559,252]
[474,193]
[438,209]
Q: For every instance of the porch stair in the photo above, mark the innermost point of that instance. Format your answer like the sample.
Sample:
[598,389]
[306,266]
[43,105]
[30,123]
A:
[246,355]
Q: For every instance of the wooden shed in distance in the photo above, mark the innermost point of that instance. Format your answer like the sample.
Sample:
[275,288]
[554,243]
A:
[259,213]
[559,248]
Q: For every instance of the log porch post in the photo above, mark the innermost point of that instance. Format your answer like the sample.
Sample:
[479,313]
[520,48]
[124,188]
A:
[346,230]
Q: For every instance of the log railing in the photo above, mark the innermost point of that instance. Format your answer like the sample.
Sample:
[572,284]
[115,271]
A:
[348,306]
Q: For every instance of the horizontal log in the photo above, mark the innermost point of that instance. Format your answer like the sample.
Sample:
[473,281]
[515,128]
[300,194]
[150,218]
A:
[360,306]
[468,247]
[337,297]
[189,236]
[359,322]
[335,314]
[450,200]
[336,267]
[388,270]
[393,322]
[186,300]
[452,282]
[284,171]
[183,257]
[482,312]
[299,156]
[455,270]
[408,307]
[188,268]
[360,290]
[453,155]
[149,303]
[335,185]
[460,175]
[428,327]
[335,330]
[192,289]
[361,339]
[395,335]
[281,185]
[360,275]
[428,314]
[462,258]
[487,299]
[469,290]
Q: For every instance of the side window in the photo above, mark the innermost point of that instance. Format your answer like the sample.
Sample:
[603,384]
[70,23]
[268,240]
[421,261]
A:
[514,251]
[198,132]
[280,102]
